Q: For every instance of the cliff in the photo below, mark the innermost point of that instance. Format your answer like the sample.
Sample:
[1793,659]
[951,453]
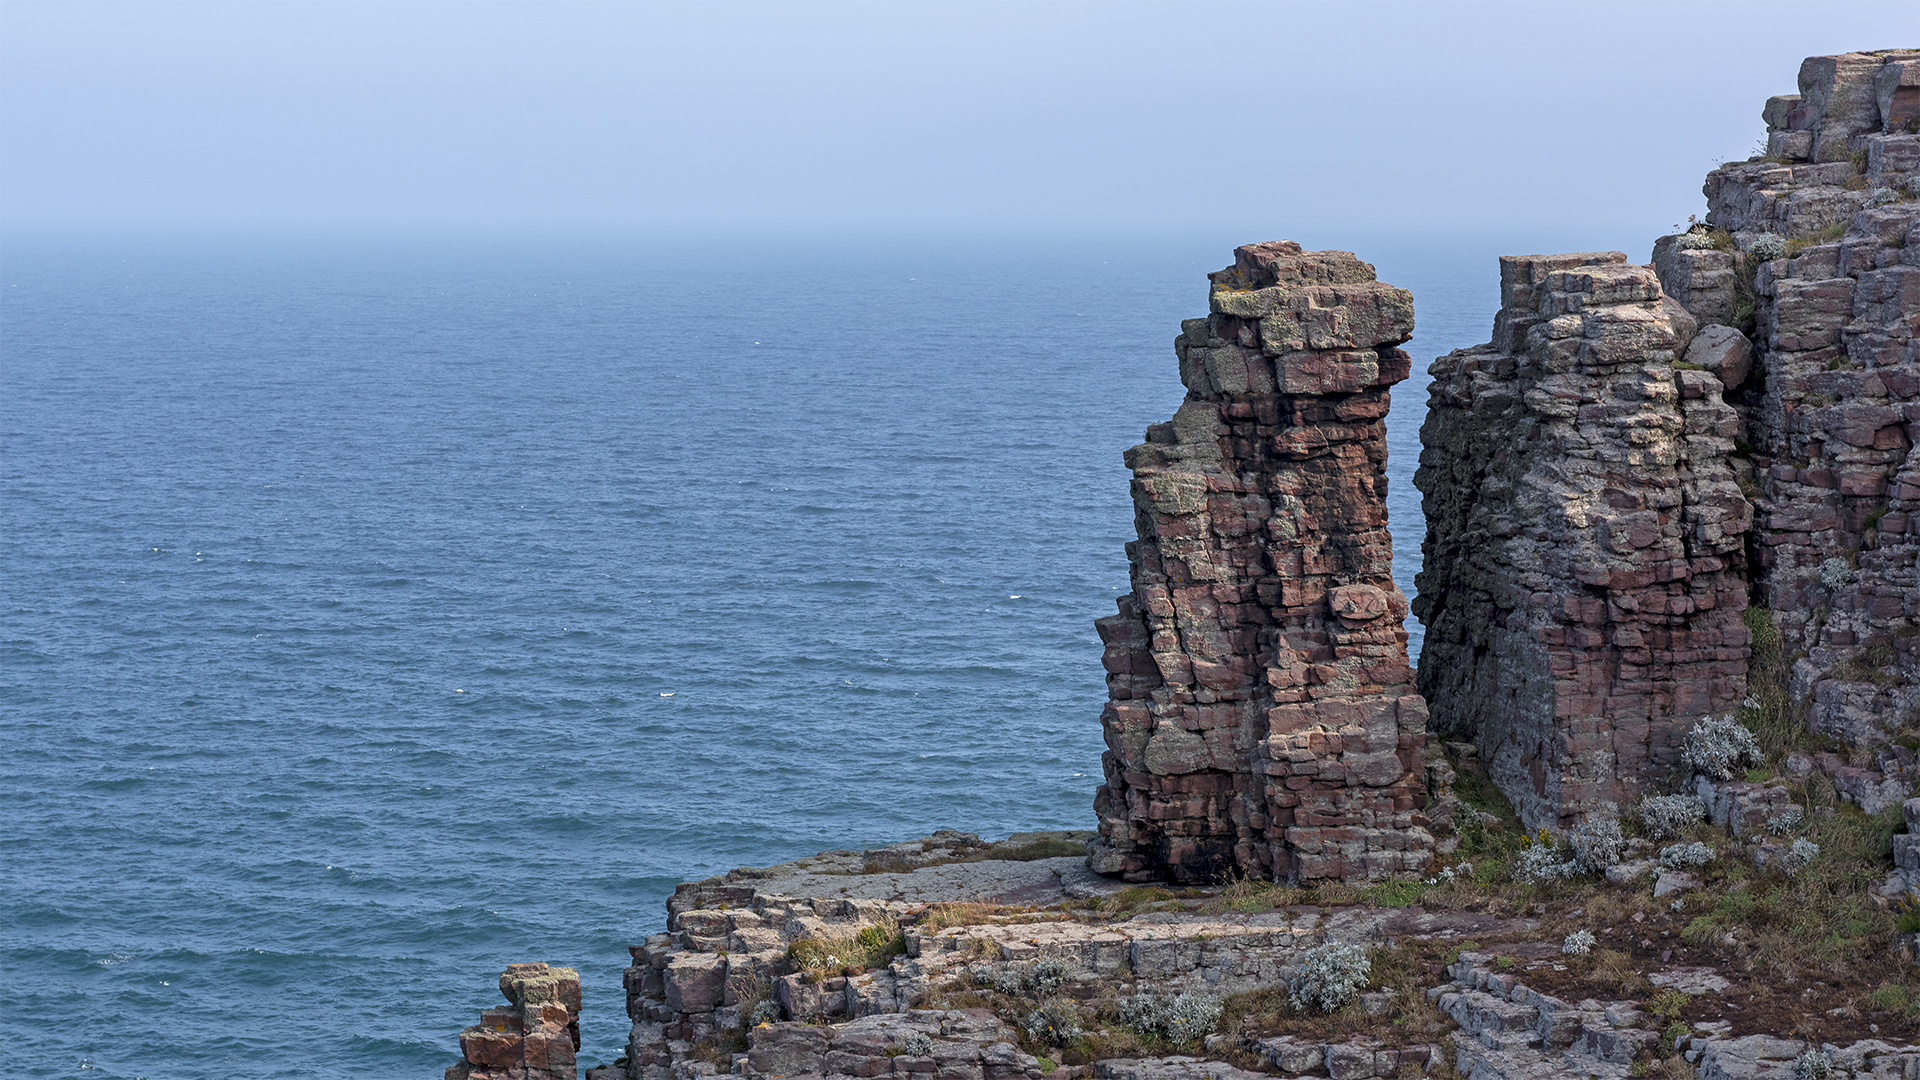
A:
[1583,580]
[1672,520]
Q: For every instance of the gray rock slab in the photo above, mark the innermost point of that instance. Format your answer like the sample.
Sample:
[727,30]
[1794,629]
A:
[1038,882]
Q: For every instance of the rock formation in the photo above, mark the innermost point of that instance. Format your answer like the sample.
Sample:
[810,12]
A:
[1814,251]
[534,1038]
[1606,487]
[1262,719]
[1582,585]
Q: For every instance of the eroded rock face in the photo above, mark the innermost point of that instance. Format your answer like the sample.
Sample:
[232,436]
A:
[1583,578]
[1818,260]
[535,1038]
[1261,717]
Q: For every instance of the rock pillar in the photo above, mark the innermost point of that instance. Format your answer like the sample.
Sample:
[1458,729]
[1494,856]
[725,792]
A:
[535,1038]
[1583,578]
[1262,719]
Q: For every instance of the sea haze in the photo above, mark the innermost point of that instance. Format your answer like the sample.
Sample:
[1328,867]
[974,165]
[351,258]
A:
[378,613]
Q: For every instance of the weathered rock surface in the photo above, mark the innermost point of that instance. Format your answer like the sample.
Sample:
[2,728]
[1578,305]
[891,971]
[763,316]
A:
[1822,267]
[725,965]
[1582,585]
[1262,720]
[534,1038]
[1510,1032]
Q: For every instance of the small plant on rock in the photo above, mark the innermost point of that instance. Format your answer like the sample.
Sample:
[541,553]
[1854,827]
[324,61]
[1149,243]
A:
[1579,943]
[1800,855]
[1835,572]
[1719,745]
[1541,861]
[1328,977]
[1882,196]
[766,1012]
[1768,246]
[1191,1016]
[918,1044]
[1047,976]
[1596,844]
[1665,816]
[1180,1019]
[1056,1023]
[1785,821]
[1691,853]
[1813,1065]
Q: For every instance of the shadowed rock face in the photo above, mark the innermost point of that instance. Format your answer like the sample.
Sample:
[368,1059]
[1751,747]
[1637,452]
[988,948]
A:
[1582,583]
[1262,719]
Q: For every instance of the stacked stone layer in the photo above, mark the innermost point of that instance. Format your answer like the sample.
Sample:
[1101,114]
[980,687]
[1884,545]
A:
[1262,719]
[535,1038]
[1832,416]
[1583,569]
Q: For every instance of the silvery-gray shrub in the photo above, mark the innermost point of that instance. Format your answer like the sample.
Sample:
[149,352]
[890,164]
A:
[1047,976]
[1835,572]
[1882,196]
[1813,1065]
[1691,853]
[1670,815]
[1800,853]
[918,1044]
[1180,1019]
[1191,1016]
[767,1012]
[1785,821]
[1718,745]
[1541,863]
[1579,943]
[1597,843]
[1694,240]
[1056,1023]
[1768,246]
[1328,977]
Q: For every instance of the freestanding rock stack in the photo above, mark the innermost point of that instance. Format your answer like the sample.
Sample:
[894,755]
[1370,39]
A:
[535,1038]
[1582,585]
[1262,719]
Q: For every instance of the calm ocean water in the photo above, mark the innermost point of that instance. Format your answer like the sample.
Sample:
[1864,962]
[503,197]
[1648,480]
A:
[379,613]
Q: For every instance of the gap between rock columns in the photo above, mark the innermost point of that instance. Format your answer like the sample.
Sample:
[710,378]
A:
[1262,719]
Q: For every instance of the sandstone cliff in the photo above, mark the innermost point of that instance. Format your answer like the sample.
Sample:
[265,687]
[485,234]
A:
[1262,719]
[1582,584]
[1814,251]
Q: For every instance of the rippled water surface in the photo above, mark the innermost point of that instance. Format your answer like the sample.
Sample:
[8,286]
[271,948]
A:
[379,613]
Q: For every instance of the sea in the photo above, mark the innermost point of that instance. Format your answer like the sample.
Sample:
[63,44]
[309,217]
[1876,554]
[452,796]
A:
[382,610]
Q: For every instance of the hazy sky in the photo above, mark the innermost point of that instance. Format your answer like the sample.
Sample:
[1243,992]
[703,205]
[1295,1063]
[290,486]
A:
[1261,118]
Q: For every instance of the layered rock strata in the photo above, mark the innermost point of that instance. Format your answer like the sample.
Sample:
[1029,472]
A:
[727,963]
[536,1037]
[1814,251]
[1262,719]
[1583,578]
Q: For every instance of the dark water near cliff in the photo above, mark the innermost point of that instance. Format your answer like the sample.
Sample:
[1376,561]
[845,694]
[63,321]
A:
[379,613]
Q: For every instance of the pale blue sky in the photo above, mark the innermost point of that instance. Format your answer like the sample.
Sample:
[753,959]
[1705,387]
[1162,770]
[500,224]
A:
[1258,119]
